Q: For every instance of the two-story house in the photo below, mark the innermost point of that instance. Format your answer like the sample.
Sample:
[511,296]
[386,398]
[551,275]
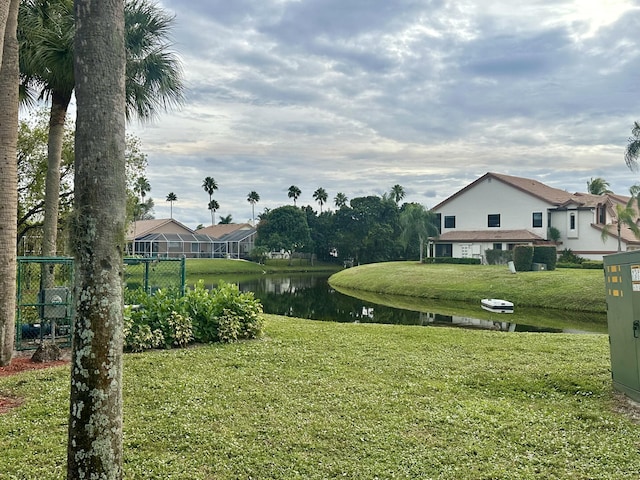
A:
[500,211]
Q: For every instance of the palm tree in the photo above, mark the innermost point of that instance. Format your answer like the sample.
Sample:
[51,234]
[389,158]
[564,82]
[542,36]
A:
[95,448]
[416,221]
[320,196]
[46,35]
[633,148]
[227,220]
[209,184]
[598,186]
[213,206]
[171,197]
[8,175]
[397,193]
[340,200]
[625,215]
[253,198]
[294,192]
[141,187]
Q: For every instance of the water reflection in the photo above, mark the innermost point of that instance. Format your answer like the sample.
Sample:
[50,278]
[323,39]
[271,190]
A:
[310,296]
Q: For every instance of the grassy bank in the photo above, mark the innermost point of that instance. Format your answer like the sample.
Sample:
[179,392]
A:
[567,289]
[219,266]
[318,400]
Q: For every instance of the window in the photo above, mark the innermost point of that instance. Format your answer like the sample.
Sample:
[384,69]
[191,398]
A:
[450,221]
[602,215]
[493,220]
[572,221]
[439,222]
[497,246]
[195,247]
[444,250]
[537,220]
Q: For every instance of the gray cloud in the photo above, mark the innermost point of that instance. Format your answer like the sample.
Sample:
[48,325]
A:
[357,95]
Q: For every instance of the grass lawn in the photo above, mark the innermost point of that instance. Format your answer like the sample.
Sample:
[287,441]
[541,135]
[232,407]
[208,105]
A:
[317,400]
[567,289]
[208,266]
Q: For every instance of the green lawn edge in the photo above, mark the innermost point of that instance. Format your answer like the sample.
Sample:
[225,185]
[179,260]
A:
[561,289]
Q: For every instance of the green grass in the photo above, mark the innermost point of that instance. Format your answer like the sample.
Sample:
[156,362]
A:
[566,289]
[317,400]
[209,266]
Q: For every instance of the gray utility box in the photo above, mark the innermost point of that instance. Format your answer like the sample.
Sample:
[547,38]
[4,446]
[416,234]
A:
[55,303]
[622,283]
[539,267]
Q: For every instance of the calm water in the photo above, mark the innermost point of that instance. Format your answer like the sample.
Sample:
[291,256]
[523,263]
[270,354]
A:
[310,296]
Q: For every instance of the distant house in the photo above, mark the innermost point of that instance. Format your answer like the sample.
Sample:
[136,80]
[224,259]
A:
[233,240]
[499,211]
[170,238]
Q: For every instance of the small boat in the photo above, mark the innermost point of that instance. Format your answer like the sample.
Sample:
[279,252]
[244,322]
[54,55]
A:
[496,305]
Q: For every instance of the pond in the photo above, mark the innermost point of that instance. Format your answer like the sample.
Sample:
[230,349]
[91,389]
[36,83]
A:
[308,295]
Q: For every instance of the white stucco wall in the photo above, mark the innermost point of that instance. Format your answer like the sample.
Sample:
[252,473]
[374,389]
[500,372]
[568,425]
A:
[492,196]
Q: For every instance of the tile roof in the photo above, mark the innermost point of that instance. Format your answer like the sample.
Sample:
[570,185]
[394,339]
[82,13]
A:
[222,229]
[489,236]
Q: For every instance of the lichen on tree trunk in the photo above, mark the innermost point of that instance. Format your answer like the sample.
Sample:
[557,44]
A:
[97,233]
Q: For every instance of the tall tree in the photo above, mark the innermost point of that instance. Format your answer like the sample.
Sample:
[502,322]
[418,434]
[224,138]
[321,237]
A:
[46,33]
[418,223]
[598,186]
[294,192]
[253,198]
[213,206]
[320,196]
[340,200]
[141,188]
[626,215]
[209,184]
[94,447]
[633,147]
[8,175]
[397,193]
[171,197]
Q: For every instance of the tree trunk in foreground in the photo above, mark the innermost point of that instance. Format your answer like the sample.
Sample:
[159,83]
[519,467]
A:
[95,418]
[8,177]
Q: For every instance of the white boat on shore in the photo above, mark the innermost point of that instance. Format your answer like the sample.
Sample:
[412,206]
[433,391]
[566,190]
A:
[496,305]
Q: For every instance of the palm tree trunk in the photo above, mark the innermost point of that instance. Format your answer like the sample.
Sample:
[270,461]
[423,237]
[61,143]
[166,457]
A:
[59,104]
[8,180]
[94,447]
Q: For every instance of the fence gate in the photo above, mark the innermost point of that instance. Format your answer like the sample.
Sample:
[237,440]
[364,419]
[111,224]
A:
[44,301]
[45,293]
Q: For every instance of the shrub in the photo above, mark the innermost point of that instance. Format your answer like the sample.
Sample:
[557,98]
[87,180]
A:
[167,319]
[592,265]
[547,255]
[568,265]
[567,256]
[523,257]
[454,260]
[498,257]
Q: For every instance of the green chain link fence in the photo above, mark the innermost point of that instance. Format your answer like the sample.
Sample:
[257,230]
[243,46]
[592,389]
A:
[44,304]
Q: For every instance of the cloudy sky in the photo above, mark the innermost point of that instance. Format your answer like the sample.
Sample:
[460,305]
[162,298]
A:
[356,96]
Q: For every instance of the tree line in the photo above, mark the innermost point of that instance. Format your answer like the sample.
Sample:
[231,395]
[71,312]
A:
[363,230]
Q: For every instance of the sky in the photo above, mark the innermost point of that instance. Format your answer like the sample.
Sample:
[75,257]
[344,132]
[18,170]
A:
[356,96]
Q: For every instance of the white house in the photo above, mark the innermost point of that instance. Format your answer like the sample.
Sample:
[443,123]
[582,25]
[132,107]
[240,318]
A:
[500,211]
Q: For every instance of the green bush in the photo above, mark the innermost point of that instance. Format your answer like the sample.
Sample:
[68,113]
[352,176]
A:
[454,260]
[568,265]
[523,257]
[592,265]
[498,257]
[168,319]
[567,256]
[547,255]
